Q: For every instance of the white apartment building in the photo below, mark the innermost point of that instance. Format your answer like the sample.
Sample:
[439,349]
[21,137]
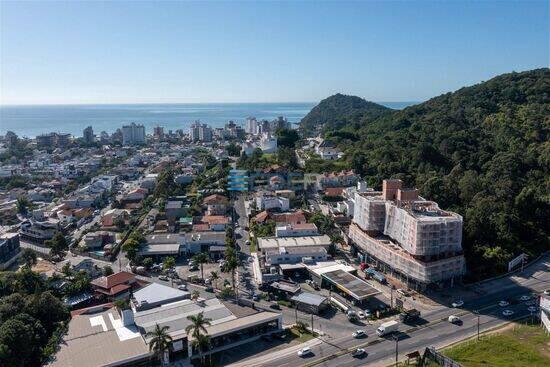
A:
[408,234]
[200,132]
[252,126]
[133,134]
[266,201]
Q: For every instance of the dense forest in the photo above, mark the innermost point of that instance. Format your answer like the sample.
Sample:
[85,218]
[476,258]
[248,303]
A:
[482,151]
[337,111]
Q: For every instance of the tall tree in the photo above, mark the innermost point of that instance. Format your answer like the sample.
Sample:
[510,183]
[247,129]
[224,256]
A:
[201,258]
[160,341]
[58,245]
[28,257]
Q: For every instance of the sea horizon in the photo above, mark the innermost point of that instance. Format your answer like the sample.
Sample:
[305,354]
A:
[32,120]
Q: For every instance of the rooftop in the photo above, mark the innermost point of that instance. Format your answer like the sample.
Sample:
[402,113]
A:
[309,298]
[113,280]
[349,283]
[287,242]
[99,339]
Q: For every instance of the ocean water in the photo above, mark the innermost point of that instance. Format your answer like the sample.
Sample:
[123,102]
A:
[31,121]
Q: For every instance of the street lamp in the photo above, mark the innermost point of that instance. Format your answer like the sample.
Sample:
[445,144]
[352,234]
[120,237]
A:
[477,314]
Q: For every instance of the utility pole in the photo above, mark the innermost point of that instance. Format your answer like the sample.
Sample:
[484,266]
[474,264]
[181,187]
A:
[477,313]
[391,299]
[396,349]
[296,313]
[312,324]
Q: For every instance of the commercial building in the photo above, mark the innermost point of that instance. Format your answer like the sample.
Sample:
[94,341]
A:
[408,234]
[133,134]
[296,230]
[102,336]
[38,231]
[9,249]
[310,302]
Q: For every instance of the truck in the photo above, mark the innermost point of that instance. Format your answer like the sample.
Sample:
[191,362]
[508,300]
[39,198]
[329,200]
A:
[375,275]
[387,328]
[409,315]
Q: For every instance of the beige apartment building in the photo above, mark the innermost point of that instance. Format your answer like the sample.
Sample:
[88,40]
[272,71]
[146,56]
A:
[408,234]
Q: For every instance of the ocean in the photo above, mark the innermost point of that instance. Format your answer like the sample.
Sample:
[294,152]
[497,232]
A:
[31,121]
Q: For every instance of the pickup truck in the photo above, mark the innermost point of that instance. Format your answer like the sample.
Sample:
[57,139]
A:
[409,316]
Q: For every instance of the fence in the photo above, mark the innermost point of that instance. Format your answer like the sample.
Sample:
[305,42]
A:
[430,354]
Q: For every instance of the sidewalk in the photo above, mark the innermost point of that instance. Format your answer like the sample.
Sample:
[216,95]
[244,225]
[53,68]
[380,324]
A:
[258,361]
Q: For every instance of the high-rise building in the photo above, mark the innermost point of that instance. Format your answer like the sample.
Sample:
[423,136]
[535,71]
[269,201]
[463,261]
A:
[158,132]
[11,139]
[133,134]
[401,231]
[252,126]
[200,132]
[88,135]
[53,140]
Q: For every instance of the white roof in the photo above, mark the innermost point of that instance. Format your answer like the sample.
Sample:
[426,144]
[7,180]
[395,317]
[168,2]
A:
[323,267]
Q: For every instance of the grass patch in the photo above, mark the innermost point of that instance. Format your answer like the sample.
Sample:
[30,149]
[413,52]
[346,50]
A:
[296,335]
[282,302]
[522,346]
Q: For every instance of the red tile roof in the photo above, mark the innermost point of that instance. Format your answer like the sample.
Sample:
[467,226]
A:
[113,280]
[215,199]
[334,191]
[261,217]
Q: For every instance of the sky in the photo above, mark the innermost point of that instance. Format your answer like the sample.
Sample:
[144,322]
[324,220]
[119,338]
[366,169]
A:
[82,52]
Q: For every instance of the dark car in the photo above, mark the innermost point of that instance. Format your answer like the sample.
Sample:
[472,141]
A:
[275,306]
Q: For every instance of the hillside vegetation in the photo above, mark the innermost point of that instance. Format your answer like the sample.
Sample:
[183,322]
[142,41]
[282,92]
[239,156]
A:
[482,151]
[338,110]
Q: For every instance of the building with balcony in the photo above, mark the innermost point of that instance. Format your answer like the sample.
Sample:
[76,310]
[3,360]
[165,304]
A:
[9,249]
[407,234]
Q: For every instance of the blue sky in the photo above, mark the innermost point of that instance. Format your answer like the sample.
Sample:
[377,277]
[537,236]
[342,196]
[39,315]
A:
[149,52]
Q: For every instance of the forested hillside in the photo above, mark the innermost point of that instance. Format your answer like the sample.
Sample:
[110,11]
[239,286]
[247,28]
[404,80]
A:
[338,110]
[482,151]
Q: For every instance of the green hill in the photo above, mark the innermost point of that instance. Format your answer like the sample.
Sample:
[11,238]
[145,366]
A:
[482,151]
[337,110]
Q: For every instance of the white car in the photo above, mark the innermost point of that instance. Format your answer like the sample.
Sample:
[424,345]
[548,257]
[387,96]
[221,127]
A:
[532,308]
[361,315]
[357,353]
[524,298]
[457,304]
[547,292]
[163,277]
[503,303]
[403,292]
[454,319]
[182,287]
[507,313]
[304,352]
[359,334]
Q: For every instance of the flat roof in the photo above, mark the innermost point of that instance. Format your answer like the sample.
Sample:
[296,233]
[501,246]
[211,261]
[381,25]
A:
[99,339]
[156,293]
[350,284]
[241,323]
[274,242]
[161,249]
[309,298]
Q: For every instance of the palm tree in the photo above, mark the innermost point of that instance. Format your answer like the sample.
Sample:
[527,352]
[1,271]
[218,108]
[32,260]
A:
[160,341]
[201,258]
[198,331]
[201,343]
[195,295]
[198,324]
[214,277]
[231,265]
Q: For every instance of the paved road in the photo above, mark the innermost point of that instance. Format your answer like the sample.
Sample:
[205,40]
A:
[436,331]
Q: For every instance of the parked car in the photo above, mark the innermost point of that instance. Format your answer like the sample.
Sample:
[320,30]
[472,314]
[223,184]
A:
[275,306]
[458,303]
[532,308]
[403,292]
[547,292]
[361,315]
[358,353]
[503,303]
[182,287]
[193,267]
[209,289]
[524,298]
[507,313]
[255,297]
[163,277]
[304,352]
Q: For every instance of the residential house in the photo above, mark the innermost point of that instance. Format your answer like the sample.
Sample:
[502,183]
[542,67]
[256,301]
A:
[115,286]
[216,204]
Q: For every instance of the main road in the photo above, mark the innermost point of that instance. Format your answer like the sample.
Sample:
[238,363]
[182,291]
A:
[481,311]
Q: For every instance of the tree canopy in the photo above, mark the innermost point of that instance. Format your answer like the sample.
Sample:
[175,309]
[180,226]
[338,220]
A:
[482,151]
